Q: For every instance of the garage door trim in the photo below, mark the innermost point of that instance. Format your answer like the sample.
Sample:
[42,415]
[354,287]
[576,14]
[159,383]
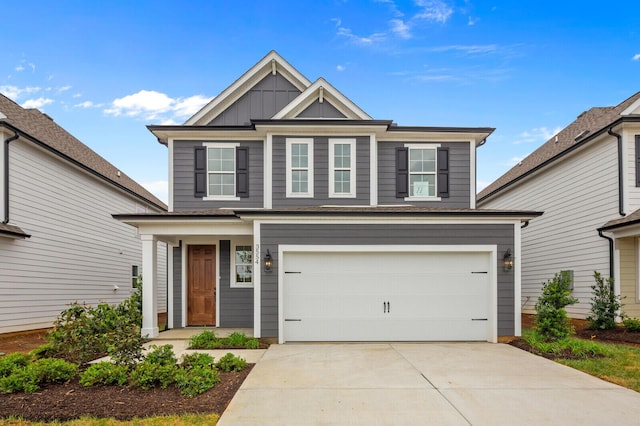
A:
[490,249]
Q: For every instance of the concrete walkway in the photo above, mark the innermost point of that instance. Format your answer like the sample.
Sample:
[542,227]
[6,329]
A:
[426,383]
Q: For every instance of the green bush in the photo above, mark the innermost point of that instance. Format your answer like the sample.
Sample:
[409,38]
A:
[196,380]
[197,359]
[235,339]
[83,333]
[147,375]
[230,362]
[44,351]
[11,362]
[252,344]
[631,324]
[605,304]
[162,355]
[29,377]
[552,322]
[569,346]
[205,340]
[104,373]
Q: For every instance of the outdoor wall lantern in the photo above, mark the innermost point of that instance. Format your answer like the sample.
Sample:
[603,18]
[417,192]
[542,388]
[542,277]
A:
[268,262]
[507,261]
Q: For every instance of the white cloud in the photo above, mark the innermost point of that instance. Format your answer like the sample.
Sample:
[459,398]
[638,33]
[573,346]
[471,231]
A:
[14,92]
[433,10]
[37,103]
[158,188]
[19,68]
[472,21]
[63,89]
[482,184]
[340,68]
[88,104]
[515,160]
[400,28]
[537,134]
[470,49]
[152,105]
[636,57]
[361,40]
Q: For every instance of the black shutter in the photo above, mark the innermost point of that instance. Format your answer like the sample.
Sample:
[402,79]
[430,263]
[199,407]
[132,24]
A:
[242,172]
[443,172]
[402,172]
[200,179]
[637,160]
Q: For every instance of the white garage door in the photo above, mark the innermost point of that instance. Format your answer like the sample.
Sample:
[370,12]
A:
[386,296]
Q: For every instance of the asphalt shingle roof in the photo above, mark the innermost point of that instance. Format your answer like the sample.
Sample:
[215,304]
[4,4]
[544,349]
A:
[43,129]
[587,124]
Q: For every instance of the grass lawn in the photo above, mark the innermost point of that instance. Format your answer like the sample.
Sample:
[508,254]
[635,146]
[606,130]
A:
[615,363]
[184,420]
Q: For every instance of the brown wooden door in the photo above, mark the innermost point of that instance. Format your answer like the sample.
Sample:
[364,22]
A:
[201,286]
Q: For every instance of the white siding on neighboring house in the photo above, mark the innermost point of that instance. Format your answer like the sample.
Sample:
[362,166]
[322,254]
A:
[632,192]
[77,251]
[577,195]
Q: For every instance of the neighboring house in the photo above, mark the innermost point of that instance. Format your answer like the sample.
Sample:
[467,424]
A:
[58,240]
[293,212]
[586,179]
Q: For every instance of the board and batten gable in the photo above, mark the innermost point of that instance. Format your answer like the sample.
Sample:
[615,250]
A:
[184,177]
[272,235]
[77,251]
[459,175]
[262,101]
[321,173]
[578,194]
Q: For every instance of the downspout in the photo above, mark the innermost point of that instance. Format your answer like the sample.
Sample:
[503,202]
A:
[611,271]
[620,177]
[6,176]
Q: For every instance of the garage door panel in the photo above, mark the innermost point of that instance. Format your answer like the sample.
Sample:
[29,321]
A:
[385,296]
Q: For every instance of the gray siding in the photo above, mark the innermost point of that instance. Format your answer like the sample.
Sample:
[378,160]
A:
[264,100]
[236,304]
[177,286]
[321,110]
[320,174]
[459,176]
[183,178]
[319,234]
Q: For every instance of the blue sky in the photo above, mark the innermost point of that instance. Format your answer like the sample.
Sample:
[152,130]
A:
[103,70]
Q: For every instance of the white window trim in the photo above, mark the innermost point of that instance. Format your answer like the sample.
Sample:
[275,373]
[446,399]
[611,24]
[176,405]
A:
[232,263]
[221,145]
[310,171]
[433,146]
[351,169]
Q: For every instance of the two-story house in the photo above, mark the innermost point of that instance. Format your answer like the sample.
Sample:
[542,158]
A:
[294,213]
[587,181]
[58,241]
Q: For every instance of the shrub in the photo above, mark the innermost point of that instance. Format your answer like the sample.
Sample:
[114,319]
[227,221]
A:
[631,324]
[235,339]
[11,362]
[196,380]
[29,377]
[197,359]
[205,340]
[82,333]
[230,362]
[104,373]
[44,351]
[252,344]
[161,355]
[605,304]
[147,375]
[551,319]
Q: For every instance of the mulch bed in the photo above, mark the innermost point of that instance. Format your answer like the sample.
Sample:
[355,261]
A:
[71,400]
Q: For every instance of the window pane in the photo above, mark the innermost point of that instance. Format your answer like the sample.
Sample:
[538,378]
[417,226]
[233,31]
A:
[299,181]
[299,155]
[422,185]
[342,182]
[222,184]
[422,160]
[243,254]
[243,274]
[221,159]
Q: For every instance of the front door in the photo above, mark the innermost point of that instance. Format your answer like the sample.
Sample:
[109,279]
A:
[201,285]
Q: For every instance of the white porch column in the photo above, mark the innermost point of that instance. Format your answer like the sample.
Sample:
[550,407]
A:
[149,284]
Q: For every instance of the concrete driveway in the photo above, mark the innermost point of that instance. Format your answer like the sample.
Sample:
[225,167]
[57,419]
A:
[423,383]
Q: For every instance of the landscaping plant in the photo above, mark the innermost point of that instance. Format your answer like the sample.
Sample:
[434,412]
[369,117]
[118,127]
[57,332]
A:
[631,324]
[230,362]
[28,378]
[605,304]
[208,340]
[551,321]
[104,373]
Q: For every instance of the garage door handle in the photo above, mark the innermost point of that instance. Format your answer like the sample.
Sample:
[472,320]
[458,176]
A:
[479,319]
[479,272]
[292,319]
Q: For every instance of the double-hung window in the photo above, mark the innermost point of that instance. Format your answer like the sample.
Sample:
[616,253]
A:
[422,171]
[299,164]
[342,168]
[221,171]
[242,270]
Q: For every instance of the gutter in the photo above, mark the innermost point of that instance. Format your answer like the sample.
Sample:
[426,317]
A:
[620,182]
[5,220]
[611,271]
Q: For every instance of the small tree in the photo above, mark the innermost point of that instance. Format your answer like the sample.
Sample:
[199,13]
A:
[552,322]
[605,305]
